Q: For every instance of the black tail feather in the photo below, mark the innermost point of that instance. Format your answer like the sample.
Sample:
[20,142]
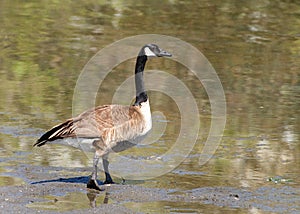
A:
[40,143]
[49,135]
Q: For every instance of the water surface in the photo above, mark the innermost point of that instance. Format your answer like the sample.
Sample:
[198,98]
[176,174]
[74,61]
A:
[253,46]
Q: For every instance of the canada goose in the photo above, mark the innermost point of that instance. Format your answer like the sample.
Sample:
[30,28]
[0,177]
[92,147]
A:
[104,128]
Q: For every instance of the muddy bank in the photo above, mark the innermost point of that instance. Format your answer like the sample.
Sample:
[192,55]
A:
[54,197]
[59,189]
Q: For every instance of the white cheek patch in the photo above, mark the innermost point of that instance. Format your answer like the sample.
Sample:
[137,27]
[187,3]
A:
[148,52]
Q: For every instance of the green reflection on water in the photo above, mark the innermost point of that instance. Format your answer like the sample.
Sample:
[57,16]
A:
[253,45]
[71,201]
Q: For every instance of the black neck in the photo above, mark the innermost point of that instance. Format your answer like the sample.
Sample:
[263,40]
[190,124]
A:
[141,95]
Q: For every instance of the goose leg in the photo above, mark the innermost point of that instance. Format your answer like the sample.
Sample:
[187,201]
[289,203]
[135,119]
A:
[92,183]
[108,179]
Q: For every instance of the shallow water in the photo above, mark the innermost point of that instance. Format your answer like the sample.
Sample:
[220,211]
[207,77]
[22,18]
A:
[253,46]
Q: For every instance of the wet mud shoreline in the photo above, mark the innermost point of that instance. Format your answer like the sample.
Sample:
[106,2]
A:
[70,195]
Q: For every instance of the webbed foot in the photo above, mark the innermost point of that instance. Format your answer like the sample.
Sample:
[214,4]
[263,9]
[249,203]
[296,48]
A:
[109,182]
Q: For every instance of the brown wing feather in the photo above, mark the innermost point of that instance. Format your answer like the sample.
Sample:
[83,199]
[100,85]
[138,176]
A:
[111,122]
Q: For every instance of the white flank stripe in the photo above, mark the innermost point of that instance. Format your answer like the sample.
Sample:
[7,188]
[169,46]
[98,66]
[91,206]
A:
[84,144]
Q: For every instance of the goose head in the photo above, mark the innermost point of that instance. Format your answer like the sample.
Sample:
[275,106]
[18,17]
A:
[152,50]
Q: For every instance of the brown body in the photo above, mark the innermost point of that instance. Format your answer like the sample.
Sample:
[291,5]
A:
[109,125]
